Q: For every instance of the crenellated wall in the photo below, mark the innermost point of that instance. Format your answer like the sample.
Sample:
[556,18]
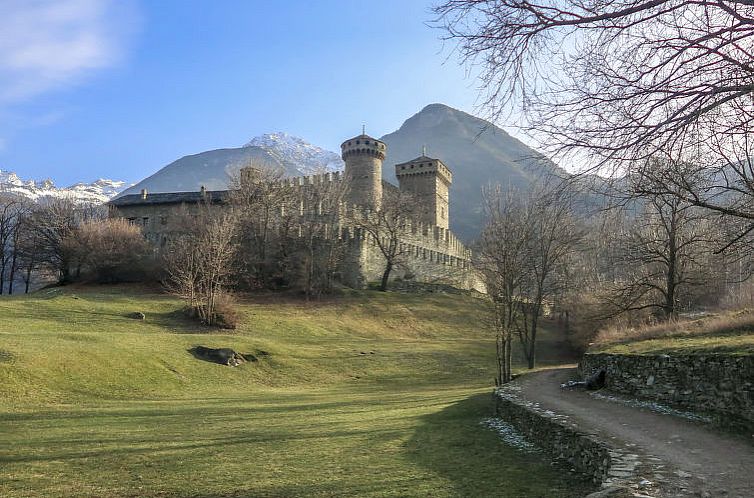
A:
[428,253]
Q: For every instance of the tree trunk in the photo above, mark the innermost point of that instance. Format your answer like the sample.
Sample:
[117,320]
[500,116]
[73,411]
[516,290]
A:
[386,276]
[531,355]
[12,272]
[28,277]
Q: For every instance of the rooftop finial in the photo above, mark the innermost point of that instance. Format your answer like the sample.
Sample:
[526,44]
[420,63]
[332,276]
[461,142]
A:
[363,129]
[424,150]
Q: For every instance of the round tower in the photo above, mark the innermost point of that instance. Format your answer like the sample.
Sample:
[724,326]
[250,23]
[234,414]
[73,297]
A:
[363,156]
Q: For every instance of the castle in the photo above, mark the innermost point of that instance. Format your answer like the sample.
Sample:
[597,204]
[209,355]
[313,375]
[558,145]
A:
[430,253]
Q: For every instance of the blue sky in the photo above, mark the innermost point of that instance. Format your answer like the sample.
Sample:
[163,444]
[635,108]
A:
[118,89]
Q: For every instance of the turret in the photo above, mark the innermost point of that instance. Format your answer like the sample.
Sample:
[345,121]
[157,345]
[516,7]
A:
[363,156]
[429,180]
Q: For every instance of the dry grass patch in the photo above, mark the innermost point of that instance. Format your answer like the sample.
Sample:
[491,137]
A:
[726,332]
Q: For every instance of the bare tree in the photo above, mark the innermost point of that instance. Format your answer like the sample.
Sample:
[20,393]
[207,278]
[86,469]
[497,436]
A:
[319,248]
[266,207]
[110,250]
[199,262]
[27,250]
[662,257]
[501,258]
[524,254]
[11,210]
[554,237]
[620,80]
[385,227]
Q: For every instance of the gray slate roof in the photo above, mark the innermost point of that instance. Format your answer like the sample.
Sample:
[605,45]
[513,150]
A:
[213,196]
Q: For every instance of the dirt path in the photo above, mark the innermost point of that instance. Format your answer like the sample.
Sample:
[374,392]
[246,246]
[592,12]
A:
[706,462]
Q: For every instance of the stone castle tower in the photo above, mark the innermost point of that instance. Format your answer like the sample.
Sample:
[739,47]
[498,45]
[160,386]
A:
[363,156]
[429,179]
[430,252]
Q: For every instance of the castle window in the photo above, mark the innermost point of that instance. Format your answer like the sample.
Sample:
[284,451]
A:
[132,220]
[163,220]
[145,221]
[358,142]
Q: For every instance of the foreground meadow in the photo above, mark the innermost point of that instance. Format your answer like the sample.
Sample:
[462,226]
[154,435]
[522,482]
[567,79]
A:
[372,394]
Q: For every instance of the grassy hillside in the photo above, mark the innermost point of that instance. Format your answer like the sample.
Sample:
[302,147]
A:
[729,332]
[369,395]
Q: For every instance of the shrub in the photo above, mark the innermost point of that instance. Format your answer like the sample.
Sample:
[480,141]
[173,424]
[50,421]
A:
[110,250]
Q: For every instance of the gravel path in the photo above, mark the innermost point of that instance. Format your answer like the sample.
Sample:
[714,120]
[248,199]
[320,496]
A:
[704,461]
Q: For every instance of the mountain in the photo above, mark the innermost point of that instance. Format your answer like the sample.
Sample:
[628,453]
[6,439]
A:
[97,192]
[299,156]
[215,168]
[477,152]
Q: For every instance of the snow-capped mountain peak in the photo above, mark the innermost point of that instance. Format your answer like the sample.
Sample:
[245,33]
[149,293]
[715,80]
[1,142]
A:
[99,191]
[297,154]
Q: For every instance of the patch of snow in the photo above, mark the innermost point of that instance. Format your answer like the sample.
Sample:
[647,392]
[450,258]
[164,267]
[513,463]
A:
[306,158]
[509,434]
[97,192]
[651,405]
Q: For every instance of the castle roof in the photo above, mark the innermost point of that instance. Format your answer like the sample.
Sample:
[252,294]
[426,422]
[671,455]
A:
[421,158]
[211,196]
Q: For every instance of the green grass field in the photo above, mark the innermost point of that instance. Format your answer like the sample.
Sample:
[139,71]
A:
[372,394]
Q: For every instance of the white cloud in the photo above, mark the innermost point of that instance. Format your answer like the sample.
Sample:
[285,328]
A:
[46,45]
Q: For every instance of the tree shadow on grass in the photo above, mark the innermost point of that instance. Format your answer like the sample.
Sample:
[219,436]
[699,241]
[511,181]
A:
[454,444]
[178,321]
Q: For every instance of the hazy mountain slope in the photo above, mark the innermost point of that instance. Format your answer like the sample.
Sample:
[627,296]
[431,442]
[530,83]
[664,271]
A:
[477,152]
[213,169]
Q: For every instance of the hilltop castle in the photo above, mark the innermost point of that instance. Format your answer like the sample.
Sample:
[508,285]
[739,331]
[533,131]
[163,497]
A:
[430,251]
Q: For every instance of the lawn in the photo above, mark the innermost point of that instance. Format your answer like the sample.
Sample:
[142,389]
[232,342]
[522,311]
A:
[374,394]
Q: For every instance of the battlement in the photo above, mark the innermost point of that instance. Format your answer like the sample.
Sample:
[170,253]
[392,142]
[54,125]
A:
[424,166]
[363,145]
[320,179]
[418,235]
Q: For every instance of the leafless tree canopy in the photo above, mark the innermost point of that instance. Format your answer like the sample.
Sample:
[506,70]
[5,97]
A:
[386,226]
[198,262]
[620,80]
[524,255]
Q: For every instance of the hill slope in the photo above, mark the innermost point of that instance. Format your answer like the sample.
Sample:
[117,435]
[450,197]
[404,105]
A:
[377,394]
[476,151]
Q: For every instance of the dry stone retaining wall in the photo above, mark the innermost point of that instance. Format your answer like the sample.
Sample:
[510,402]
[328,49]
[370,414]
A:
[563,440]
[719,385]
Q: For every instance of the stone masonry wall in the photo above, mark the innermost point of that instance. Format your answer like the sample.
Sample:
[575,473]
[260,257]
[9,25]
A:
[564,440]
[719,385]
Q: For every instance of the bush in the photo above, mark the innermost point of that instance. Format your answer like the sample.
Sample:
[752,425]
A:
[225,314]
[110,250]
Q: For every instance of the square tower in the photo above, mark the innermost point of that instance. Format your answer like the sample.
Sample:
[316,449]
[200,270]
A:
[429,180]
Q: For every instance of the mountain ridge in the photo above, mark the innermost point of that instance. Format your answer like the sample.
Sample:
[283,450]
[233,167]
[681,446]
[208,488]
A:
[97,192]
[478,153]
